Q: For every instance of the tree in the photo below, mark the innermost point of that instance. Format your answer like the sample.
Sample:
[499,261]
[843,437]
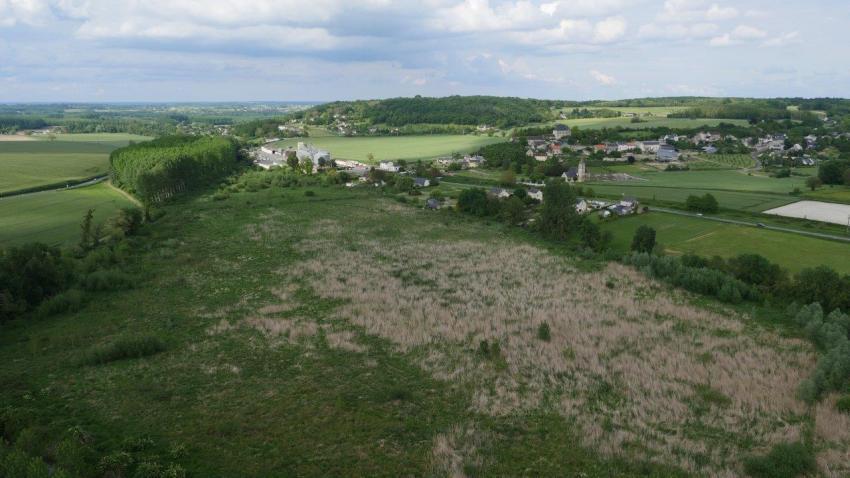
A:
[86,231]
[558,216]
[128,221]
[474,201]
[706,203]
[292,161]
[508,178]
[370,157]
[813,182]
[832,172]
[513,210]
[644,239]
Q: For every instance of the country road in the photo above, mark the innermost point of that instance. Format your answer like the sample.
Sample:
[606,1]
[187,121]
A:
[752,224]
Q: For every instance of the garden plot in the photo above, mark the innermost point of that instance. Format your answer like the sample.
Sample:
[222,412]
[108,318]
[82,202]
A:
[816,211]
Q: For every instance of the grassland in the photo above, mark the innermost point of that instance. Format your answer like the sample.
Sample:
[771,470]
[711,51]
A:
[346,334]
[681,235]
[54,217]
[396,147]
[830,194]
[721,161]
[114,139]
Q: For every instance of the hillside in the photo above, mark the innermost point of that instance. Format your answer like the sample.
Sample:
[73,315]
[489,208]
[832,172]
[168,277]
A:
[340,332]
[496,111]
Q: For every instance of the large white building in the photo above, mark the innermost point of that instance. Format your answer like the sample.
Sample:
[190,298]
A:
[561,131]
[307,152]
[389,166]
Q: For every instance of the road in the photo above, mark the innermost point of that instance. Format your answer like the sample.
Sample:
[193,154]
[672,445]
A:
[752,224]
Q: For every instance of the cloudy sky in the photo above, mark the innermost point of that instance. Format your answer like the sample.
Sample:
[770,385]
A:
[197,50]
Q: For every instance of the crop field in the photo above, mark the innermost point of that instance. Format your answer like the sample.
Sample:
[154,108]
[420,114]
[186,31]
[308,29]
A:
[343,333]
[681,234]
[721,161]
[54,217]
[114,139]
[839,194]
[744,201]
[647,122]
[396,147]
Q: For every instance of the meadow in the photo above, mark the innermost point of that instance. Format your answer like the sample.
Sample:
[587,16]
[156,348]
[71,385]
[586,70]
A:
[343,333]
[54,217]
[396,147]
[682,235]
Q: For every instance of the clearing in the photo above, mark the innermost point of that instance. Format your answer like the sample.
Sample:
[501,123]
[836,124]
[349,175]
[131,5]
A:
[343,333]
[396,147]
[815,211]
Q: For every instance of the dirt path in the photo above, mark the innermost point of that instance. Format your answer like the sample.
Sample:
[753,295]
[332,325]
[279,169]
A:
[125,194]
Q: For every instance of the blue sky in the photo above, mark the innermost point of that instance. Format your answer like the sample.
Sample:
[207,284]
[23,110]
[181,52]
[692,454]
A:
[202,50]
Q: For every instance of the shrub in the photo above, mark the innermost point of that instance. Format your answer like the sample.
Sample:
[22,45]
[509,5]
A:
[71,300]
[128,221]
[30,274]
[107,279]
[125,348]
[644,239]
[785,460]
[843,404]
[543,332]
[309,193]
[706,203]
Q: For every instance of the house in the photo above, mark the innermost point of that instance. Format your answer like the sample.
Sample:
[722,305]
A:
[571,175]
[541,156]
[811,141]
[629,202]
[389,166]
[555,148]
[666,153]
[600,147]
[307,153]
[650,146]
[473,161]
[432,203]
[421,182]
[807,161]
[795,149]
[582,206]
[535,193]
[709,149]
[561,131]
[499,193]
[620,210]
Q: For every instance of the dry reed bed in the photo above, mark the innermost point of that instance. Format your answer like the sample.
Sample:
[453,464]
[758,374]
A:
[624,361]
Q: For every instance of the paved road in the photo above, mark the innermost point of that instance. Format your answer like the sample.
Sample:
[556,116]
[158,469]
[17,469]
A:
[58,188]
[752,224]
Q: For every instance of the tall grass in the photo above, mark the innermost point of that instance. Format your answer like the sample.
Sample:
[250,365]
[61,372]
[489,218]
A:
[131,347]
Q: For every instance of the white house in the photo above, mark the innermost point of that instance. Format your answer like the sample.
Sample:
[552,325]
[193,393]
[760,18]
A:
[582,207]
[561,131]
[499,193]
[421,182]
[389,166]
[650,146]
[535,193]
[307,152]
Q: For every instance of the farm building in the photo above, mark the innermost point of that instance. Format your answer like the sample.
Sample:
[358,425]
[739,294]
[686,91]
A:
[666,153]
[389,166]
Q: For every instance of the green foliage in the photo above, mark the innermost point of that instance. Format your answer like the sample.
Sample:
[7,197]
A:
[29,274]
[128,221]
[476,202]
[504,155]
[644,239]
[843,404]
[107,279]
[71,300]
[823,285]
[785,460]
[831,333]
[558,217]
[832,172]
[543,332]
[160,169]
[132,347]
[706,203]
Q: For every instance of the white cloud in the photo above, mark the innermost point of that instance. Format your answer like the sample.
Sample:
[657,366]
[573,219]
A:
[741,34]
[479,15]
[602,78]
[609,30]
[786,39]
[716,12]
[29,12]
[677,31]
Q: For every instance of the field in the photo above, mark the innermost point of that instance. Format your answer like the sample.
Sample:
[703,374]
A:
[680,235]
[646,122]
[830,193]
[815,211]
[347,334]
[721,161]
[40,162]
[396,147]
[733,189]
[54,217]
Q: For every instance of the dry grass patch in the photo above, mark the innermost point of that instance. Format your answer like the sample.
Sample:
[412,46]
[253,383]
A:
[455,450]
[635,365]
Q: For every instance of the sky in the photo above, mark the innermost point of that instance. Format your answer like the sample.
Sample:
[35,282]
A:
[322,50]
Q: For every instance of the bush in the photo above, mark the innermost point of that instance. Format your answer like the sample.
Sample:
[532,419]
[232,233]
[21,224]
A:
[69,301]
[843,404]
[30,274]
[706,203]
[128,221]
[107,279]
[785,460]
[544,333]
[309,193]
[125,348]
[644,239]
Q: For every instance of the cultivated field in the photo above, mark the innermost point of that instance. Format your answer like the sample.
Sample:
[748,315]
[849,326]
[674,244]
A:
[815,211]
[681,235]
[396,147]
[346,334]
[721,161]
[54,217]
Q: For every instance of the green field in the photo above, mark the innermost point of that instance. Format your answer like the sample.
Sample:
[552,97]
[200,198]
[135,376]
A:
[830,194]
[54,217]
[27,164]
[115,139]
[647,122]
[733,189]
[721,161]
[396,147]
[681,234]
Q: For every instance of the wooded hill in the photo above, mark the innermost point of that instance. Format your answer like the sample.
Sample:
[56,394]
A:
[159,169]
[457,110]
